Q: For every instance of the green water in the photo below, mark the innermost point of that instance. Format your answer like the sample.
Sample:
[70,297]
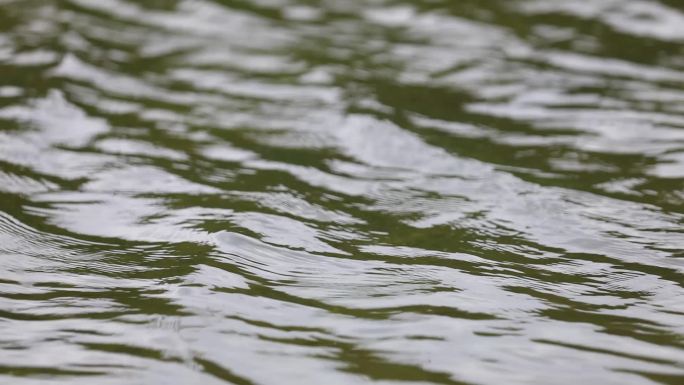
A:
[295,192]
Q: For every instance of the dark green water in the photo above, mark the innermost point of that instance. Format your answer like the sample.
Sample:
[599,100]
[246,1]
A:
[262,192]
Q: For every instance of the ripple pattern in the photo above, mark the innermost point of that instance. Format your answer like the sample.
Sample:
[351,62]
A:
[341,192]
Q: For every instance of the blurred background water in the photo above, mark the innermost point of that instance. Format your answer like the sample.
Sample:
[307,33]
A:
[341,192]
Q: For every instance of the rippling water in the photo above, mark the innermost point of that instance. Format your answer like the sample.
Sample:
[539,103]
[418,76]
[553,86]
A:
[341,192]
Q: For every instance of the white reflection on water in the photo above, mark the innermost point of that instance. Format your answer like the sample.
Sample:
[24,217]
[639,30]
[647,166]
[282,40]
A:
[261,192]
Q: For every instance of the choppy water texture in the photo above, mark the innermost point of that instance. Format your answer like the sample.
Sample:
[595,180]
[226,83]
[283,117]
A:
[341,192]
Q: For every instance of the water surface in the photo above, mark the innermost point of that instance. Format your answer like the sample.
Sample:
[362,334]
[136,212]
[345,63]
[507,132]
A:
[341,192]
